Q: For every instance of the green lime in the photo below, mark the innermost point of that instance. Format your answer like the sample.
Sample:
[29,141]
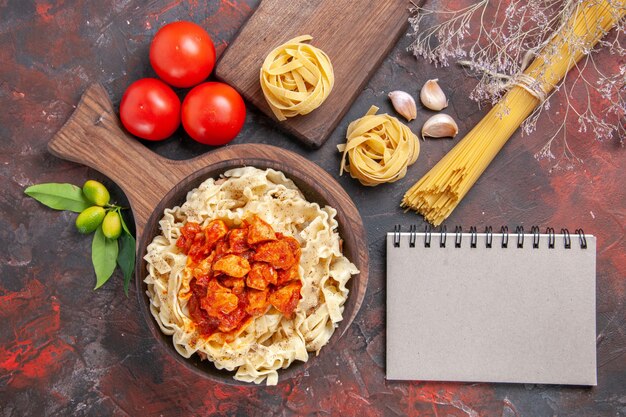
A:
[89,219]
[112,225]
[96,193]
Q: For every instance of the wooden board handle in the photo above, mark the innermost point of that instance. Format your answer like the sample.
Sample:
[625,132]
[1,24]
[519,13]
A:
[93,136]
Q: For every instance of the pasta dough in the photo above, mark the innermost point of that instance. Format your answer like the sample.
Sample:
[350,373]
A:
[379,147]
[296,78]
[272,341]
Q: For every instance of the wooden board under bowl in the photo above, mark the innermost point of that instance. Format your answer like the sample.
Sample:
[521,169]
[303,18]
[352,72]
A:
[356,35]
[93,136]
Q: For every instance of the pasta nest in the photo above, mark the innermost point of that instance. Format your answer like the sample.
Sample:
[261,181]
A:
[296,78]
[379,148]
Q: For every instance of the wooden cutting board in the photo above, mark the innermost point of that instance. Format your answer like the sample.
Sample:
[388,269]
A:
[94,136]
[356,34]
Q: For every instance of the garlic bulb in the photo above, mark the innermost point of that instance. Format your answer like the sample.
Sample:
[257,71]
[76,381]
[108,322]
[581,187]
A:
[432,96]
[404,104]
[440,126]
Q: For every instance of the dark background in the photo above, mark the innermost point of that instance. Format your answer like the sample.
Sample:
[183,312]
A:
[67,350]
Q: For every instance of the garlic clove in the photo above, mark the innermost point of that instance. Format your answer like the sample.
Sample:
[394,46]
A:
[440,126]
[404,104]
[432,96]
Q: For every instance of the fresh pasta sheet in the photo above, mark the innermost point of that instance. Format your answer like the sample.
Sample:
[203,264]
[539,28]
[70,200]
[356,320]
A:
[272,341]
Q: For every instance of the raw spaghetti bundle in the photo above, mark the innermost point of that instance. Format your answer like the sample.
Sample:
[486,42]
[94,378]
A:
[296,78]
[437,194]
[379,147]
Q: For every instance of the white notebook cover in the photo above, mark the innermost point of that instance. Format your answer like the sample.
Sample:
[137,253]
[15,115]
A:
[518,315]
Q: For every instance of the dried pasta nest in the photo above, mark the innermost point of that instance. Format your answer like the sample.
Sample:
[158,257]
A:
[379,148]
[296,78]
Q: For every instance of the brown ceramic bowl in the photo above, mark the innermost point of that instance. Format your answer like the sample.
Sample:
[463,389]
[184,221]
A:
[313,193]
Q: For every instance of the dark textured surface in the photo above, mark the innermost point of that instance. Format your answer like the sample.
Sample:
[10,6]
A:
[66,350]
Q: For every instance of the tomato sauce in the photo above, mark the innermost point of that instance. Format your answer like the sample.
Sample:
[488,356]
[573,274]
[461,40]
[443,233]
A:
[239,273]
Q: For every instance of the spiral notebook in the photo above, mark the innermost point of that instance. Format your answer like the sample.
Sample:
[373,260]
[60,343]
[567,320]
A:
[491,307]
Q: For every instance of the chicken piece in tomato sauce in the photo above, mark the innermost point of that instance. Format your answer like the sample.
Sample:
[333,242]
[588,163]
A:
[238,240]
[232,321]
[257,302]
[236,285]
[286,275]
[277,253]
[259,231]
[204,267]
[218,300]
[239,273]
[188,234]
[285,299]
[198,243]
[261,275]
[294,245]
[232,265]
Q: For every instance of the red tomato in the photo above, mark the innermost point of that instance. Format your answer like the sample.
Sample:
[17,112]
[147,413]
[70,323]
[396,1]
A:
[182,54]
[213,113]
[150,109]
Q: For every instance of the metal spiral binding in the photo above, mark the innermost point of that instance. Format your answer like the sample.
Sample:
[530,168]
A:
[535,231]
[396,235]
[412,235]
[505,236]
[520,236]
[504,231]
[568,241]
[582,238]
[551,239]
[443,236]
[427,236]
[473,237]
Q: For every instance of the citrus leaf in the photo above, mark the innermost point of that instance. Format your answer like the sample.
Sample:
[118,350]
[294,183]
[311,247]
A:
[59,196]
[126,258]
[124,223]
[103,256]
